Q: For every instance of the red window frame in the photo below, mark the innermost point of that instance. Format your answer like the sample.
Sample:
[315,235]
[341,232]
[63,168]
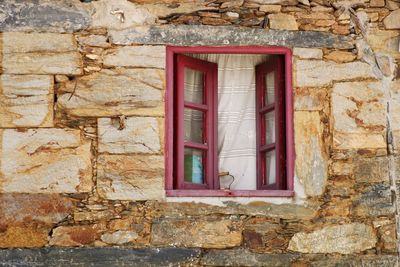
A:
[285,144]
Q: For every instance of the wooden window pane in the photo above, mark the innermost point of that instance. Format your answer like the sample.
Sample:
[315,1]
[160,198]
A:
[194,86]
[194,125]
[193,166]
[269,93]
[269,127]
[270,167]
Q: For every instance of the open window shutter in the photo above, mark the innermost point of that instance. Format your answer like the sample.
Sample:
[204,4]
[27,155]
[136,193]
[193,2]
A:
[196,111]
[270,119]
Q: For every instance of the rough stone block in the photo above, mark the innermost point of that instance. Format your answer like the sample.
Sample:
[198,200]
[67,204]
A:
[74,236]
[26,101]
[343,239]
[371,170]
[135,177]
[136,56]
[311,159]
[138,135]
[312,73]
[307,53]
[340,56]
[310,99]
[359,118]
[43,15]
[119,237]
[227,35]
[374,202]
[282,22]
[23,236]
[44,161]
[384,41]
[121,91]
[69,63]
[392,21]
[203,233]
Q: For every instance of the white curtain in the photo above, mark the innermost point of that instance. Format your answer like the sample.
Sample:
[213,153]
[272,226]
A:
[236,115]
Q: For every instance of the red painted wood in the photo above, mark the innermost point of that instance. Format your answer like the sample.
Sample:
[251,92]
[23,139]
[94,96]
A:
[172,52]
[229,193]
[210,92]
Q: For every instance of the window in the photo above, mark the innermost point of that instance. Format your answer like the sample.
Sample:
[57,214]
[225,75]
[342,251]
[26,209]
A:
[218,101]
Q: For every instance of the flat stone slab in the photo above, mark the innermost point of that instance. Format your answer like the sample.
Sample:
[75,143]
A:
[99,257]
[226,35]
[43,15]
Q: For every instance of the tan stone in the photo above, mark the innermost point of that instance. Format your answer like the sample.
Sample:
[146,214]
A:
[270,8]
[311,158]
[20,42]
[115,92]
[197,233]
[135,177]
[119,14]
[26,101]
[165,10]
[138,135]
[377,3]
[232,3]
[343,239]
[312,73]
[359,119]
[146,56]
[74,236]
[119,237]
[371,170]
[69,63]
[340,56]
[44,161]
[392,21]
[94,40]
[43,208]
[307,53]
[16,236]
[310,99]
[384,41]
[282,22]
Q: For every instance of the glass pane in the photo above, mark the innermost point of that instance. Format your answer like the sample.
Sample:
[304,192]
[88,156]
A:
[193,123]
[193,86]
[269,127]
[270,167]
[193,166]
[269,88]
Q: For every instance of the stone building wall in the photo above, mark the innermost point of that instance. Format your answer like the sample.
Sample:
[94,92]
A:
[82,135]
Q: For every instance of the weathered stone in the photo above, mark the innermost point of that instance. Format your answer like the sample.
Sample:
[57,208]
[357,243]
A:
[312,73]
[274,2]
[343,239]
[318,260]
[138,135]
[82,216]
[135,177]
[255,208]
[163,10]
[17,236]
[270,8]
[307,53]
[392,22]
[392,5]
[232,3]
[379,261]
[388,238]
[42,208]
[43,15]
[310,99]
[26,101]
[99,257]
[119,14]
[340,56]
[282,22]
[136,56]
[44,161]
[227,35]
[371,170]
[241,257]
[384,41]
[69,63]
[374,202]
[74,236]
[311,160]
[219,233]
[19,42]
[119,237]
[94,40]
[122,91]
[359,115]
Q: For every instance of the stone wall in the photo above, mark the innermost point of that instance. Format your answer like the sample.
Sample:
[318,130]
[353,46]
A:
[82,90]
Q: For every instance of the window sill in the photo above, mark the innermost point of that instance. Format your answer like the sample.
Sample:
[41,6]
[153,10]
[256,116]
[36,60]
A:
[230,193]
